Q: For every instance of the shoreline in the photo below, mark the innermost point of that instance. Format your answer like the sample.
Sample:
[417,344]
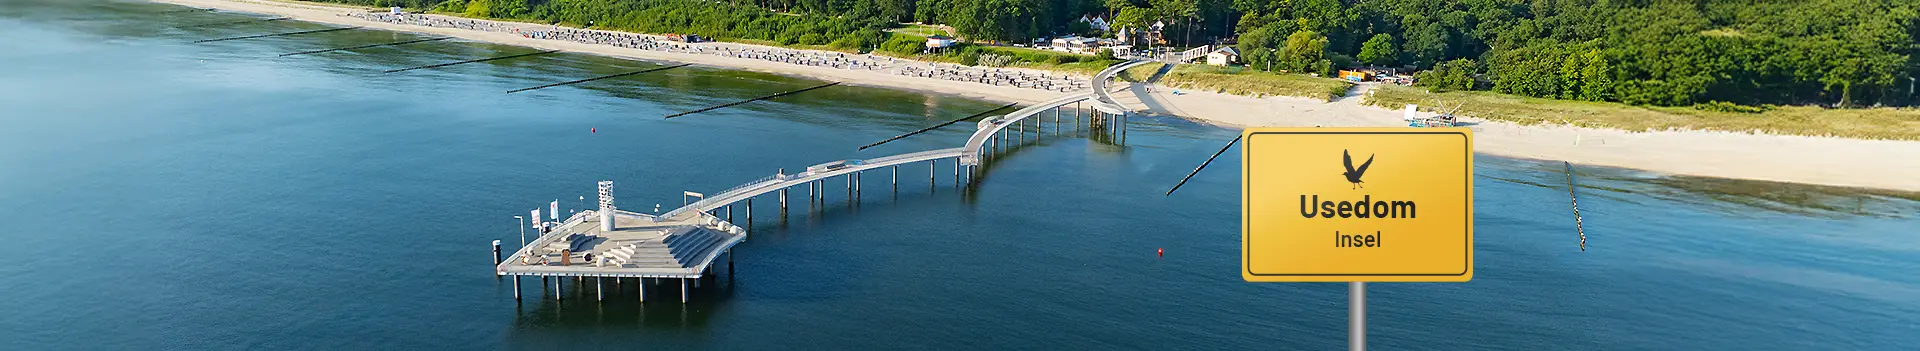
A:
[1829,161]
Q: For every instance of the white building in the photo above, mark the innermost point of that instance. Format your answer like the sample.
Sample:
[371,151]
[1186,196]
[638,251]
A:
[939,41]
[1075,44]
[1223,56]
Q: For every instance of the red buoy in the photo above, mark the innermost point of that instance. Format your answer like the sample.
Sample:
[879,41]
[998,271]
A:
[593,130]
[1161,252]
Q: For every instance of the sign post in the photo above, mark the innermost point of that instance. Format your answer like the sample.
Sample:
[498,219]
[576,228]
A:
[1357,205]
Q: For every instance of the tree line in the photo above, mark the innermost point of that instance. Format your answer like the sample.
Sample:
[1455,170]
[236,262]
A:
[1654,52]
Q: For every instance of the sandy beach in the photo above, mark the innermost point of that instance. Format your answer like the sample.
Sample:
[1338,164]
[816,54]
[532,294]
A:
[1878,164]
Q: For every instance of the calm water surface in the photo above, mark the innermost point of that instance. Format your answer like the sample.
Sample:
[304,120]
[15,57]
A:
[161,194]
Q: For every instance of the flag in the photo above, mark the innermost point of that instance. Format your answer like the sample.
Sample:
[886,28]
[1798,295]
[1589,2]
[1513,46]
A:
[536,218]
[553,210]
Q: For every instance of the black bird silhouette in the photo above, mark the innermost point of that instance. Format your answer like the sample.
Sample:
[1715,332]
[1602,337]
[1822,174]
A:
[1353,174]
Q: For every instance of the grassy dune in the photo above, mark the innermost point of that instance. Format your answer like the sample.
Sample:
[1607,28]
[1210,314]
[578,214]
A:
[1249,82]
[1874,123]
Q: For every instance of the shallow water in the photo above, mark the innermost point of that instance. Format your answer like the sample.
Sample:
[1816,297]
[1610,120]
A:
[169,195]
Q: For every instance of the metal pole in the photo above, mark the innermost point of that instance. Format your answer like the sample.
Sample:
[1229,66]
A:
[1357,316]
[601,285]
[956,172]
[556,288]
[523,229]
[683,291]
[642,283]
[729,213]
[516,288]
[931,171]
[896,177]
[783,200]
[749,213]
[496,252]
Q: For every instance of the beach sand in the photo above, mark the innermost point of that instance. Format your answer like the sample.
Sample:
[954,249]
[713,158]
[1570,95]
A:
[1881,164]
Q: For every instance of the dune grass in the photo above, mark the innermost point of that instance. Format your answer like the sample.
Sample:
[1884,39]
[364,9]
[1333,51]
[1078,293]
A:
[1859,123]
[1250,82]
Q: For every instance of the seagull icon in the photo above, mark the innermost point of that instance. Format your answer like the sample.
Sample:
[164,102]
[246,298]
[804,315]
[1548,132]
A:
[1353,174]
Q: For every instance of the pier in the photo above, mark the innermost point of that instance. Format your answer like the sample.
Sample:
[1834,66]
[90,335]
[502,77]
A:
[609,243]
[683,244]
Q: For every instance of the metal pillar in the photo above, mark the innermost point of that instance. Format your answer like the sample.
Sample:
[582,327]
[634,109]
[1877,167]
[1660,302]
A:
[931,171]
[496,252]
[956,172]
[749,214]
[1056,121]
[642,283]
[783,200]
[896,177]
[516,288]
[683,291]
[600,285]
[729,213]
[556,289]
[1357,316]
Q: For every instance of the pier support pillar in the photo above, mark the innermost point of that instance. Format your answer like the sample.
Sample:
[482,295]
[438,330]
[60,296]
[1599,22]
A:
[783,201]
[600,284]
[932,170]
[642,283]
[729,213]
[896,177]
[556,288]
[496,252]
[956,172]
[749,226]
[859,183]
[516,288]
[683,291]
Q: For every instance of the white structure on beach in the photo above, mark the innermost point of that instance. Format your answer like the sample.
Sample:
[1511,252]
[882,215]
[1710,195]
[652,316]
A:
[1223,56]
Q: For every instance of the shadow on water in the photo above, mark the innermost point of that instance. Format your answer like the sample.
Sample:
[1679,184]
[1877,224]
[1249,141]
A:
[580,308]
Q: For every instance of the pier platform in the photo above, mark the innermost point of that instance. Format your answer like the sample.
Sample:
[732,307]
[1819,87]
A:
[639,246]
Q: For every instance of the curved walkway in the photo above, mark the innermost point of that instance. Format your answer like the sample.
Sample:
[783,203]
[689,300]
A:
[967,155]
[1099,96]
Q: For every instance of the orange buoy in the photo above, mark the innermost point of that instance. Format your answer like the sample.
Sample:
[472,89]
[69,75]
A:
[1161,252]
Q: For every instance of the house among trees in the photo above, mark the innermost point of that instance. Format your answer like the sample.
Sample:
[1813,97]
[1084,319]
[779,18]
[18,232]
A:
[1223,56]
[1096,22]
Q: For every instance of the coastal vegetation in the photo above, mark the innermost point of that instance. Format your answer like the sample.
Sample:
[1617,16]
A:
[1641,52]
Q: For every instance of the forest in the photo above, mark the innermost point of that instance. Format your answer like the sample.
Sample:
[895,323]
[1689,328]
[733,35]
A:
[1646,52]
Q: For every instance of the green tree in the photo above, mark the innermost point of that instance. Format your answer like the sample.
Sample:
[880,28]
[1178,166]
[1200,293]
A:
[1379,50]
